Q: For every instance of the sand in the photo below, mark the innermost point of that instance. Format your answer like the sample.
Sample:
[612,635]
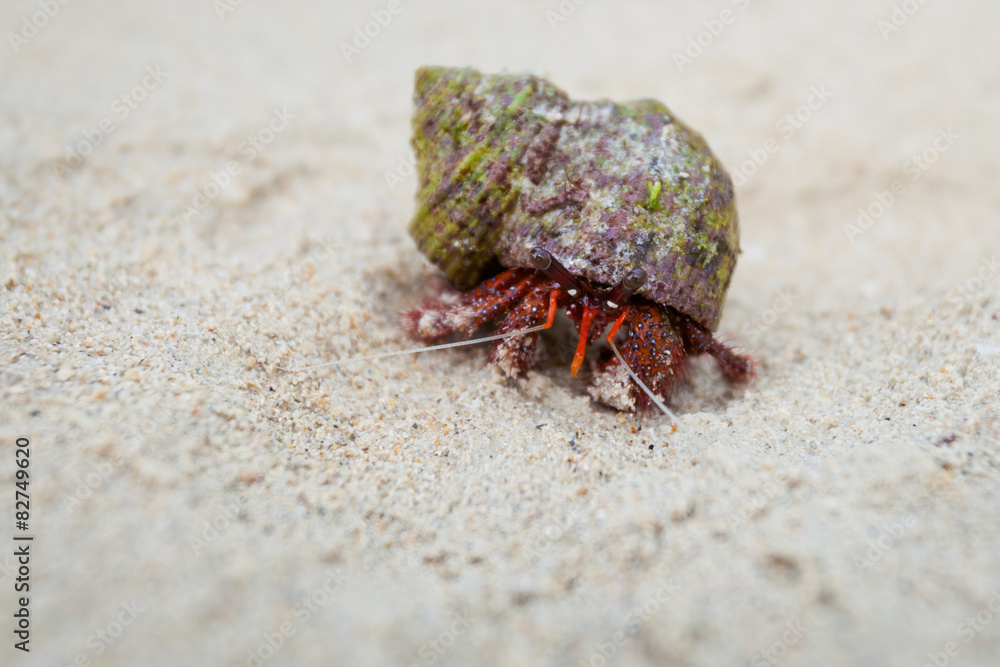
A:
[191,504]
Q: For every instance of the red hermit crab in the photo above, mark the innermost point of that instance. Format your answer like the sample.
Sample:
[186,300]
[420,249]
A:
[618,213]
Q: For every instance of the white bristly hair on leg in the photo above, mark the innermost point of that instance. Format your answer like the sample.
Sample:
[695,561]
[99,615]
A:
[398,353]
[659,403]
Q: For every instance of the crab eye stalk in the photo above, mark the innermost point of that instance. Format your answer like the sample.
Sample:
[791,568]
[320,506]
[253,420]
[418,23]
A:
[543,260]
[635,279]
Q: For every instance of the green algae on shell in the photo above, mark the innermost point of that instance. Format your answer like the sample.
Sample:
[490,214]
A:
[508,162]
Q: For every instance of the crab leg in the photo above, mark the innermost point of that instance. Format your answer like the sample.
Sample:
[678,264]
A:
[699,340]
[517,354]
[452,312]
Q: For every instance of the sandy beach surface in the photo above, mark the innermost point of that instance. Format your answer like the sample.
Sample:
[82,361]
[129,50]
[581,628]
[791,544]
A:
[193,194]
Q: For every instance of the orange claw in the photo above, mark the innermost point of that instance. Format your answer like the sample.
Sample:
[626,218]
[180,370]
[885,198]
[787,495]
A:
[581,347]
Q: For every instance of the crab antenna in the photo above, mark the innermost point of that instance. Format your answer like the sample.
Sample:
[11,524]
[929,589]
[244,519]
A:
[635,279]
[397,353]
[652,396]
[581,347]
[543,260]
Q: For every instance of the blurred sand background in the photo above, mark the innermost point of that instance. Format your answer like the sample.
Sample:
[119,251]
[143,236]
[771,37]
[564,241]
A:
[841,510]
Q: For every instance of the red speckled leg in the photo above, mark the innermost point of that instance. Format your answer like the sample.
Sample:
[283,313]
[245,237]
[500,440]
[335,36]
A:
[454,312]
[699,340]
[655,352]
[515,355]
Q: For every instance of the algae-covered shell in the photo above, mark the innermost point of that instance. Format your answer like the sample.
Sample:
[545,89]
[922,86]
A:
[508,162]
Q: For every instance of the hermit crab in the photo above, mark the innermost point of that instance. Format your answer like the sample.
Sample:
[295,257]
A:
[530,202]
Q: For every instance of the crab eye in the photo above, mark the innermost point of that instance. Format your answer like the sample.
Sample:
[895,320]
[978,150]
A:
[540,258]
[543,260]
[634,280]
